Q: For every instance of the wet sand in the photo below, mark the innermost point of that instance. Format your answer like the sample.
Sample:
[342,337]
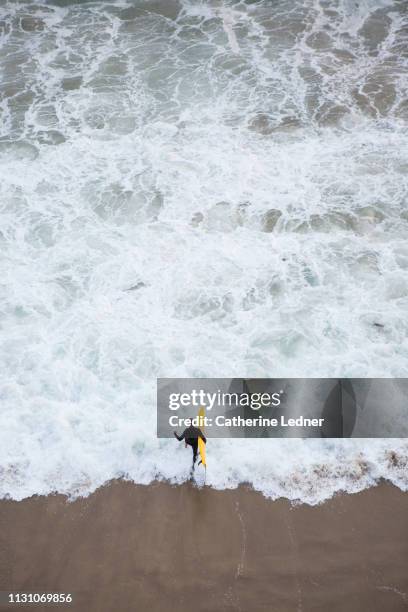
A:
[164,548]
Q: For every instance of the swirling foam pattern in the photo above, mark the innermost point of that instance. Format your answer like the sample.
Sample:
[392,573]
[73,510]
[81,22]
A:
[197,188]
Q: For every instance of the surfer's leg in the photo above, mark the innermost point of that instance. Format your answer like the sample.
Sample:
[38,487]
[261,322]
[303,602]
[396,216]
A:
[194,446]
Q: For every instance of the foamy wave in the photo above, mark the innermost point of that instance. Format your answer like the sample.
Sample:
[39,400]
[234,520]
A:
[308,471]
[190,189]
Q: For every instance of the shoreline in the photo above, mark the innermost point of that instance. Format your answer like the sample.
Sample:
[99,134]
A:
[163,547]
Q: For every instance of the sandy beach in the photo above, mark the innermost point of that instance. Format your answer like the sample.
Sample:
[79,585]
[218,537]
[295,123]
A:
[162,547]
[204,190]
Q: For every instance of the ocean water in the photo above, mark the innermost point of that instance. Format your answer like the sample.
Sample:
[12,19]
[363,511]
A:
[194,188]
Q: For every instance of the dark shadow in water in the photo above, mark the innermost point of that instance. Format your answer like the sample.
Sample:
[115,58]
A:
[339,411]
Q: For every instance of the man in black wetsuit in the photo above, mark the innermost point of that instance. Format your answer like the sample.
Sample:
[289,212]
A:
[190,437]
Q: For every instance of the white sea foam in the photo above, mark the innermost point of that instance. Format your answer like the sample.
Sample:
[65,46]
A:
[196,189]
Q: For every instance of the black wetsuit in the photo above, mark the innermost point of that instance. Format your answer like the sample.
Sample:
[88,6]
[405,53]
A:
[191,435]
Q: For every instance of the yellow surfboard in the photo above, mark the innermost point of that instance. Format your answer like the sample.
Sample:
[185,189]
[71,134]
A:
[201,445]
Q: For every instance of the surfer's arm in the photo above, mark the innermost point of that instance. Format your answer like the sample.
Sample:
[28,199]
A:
[202,436]
[179,438]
